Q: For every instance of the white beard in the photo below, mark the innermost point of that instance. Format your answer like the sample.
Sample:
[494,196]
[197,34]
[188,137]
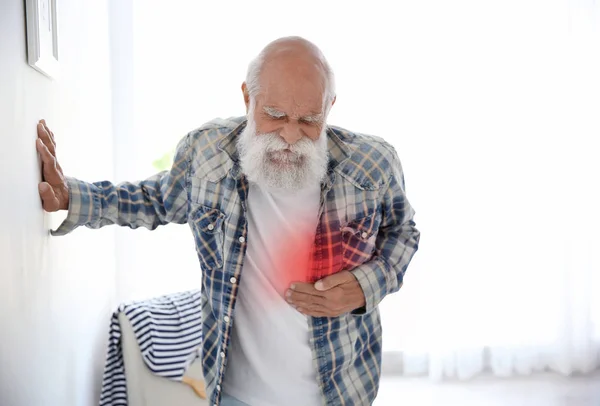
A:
[265,163]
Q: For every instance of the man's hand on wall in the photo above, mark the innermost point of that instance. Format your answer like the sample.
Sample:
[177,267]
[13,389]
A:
[53,187]
[330,297]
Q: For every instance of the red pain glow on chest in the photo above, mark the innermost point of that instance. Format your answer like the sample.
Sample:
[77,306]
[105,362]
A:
[292,257]
[288,260]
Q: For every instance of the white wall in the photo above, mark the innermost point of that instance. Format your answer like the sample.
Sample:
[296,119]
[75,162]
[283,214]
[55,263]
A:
[55,293]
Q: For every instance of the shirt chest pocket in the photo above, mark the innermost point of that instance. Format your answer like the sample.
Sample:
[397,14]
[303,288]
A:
[358,240]
[207,226]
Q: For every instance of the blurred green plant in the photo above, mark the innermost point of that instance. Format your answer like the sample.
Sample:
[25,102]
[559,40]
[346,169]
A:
[164,162]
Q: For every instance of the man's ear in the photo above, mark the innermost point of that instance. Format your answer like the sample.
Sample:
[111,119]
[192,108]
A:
[246,96]
[334,99]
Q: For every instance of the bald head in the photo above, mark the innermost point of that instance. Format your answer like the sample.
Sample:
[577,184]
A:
[290,88]
[290,58]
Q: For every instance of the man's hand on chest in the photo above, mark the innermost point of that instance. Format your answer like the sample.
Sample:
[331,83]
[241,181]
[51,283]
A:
[332,296]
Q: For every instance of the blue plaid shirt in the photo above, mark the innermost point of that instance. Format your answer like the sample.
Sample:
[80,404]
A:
[365,226]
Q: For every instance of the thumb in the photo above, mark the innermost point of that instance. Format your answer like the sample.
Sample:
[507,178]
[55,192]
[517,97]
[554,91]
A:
[332,281]
[50,202]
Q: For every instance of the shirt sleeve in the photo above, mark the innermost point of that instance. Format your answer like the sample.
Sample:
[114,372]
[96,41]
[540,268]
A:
[397,242]
[158,200]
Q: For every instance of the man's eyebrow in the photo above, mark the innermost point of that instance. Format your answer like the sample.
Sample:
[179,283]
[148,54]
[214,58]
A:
[276,113]
[273,112]
[313,118]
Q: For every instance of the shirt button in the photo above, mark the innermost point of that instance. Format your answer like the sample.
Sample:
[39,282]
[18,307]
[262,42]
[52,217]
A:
[218,388]
[364,235]
[222,354]
[226,319]
[233,280]
[211,227]
[242,239]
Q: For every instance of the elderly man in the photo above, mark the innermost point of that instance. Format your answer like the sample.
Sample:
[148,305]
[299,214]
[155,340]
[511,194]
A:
[301,230]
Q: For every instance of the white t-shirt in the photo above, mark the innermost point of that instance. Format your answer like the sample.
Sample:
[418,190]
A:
[270,361]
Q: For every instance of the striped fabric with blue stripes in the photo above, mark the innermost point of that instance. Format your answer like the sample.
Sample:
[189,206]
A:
[168,330]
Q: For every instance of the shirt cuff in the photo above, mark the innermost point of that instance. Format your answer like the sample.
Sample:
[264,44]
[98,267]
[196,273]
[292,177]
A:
[84,207]
[372,278]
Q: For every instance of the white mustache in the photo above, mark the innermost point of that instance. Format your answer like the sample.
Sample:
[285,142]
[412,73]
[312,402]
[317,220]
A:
[274,144]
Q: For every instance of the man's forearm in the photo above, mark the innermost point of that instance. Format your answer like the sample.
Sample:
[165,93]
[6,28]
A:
[384,274]
[158,200]
[133,205]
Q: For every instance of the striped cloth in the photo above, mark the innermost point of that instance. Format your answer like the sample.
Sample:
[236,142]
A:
[168,330]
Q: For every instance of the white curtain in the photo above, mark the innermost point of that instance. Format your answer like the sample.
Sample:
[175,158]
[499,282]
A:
[494,109]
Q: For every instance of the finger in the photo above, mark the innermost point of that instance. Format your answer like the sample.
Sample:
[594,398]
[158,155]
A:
[305,288]
[318,311]
[334,280]
[47,158]
[311,307]
[50,169]
[49,132]
[300,298]
[332,303]
[49,200]
[44,135]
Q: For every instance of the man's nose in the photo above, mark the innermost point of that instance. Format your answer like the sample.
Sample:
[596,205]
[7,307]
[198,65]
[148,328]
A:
[291,134]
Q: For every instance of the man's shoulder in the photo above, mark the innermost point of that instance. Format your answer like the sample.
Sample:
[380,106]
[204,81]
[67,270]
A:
[357,138]
[205,140]
[371,159]
[216,128]
[221,124]
[203,144]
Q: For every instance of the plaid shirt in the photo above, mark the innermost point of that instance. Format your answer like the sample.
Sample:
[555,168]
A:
[365,226]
